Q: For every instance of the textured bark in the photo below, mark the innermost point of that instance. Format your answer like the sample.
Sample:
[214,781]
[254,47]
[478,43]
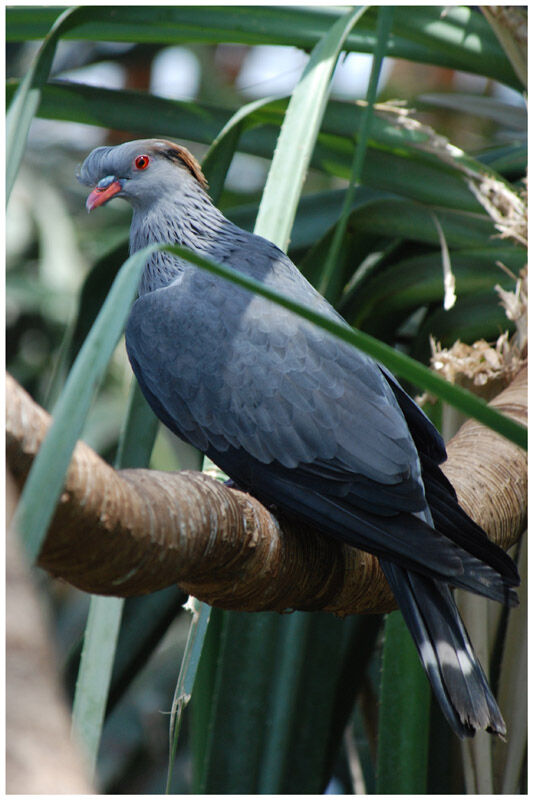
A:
[489,473]
[131,532]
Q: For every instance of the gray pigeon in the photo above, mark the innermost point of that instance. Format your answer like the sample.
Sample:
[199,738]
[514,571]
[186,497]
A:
[296,417]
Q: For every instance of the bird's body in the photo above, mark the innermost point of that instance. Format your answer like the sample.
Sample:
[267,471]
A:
[297,417]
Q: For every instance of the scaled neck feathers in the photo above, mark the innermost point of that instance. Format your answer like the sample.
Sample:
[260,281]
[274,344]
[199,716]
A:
[186,218]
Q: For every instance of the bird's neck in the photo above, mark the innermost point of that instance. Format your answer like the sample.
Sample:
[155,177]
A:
[192,222]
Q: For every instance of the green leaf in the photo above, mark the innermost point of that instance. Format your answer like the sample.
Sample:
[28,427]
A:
[145,621]
[506,114]
[450,36]
[238,702]
[138,434]
[290,664]
[188,672]
[202,699]
[398,160]
[384,25]
[284,690]
[403,714]
[218,158]
[105,613]
[505,160]
[26,100]
[298,135]
[473,317]
[381,214]
[103,625]
[45,480]
[379,302]
[101,635]
[139,112]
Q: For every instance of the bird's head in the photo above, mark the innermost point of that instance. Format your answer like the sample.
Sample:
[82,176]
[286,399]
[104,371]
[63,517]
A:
[140,171]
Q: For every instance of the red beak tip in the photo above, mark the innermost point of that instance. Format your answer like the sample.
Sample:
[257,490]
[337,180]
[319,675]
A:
[100,196]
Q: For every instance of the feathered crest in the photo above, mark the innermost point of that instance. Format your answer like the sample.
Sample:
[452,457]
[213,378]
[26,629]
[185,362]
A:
[176,152]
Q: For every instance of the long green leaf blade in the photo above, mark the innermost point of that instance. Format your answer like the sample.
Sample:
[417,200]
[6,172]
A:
[398,158]
[26,101]
[188,672]
[293,634]
[459,39]
[105,613]
[45,480]
[218,158]
[384,25]
[94,677]
[298,135]
[404,715]
[138,434]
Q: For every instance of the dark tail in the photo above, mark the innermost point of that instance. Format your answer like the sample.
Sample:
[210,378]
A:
[447,656]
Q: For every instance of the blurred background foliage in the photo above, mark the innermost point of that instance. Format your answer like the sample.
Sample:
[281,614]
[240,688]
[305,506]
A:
[181,72]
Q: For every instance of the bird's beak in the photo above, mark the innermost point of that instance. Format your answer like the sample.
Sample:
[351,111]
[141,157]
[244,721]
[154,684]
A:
[104,190]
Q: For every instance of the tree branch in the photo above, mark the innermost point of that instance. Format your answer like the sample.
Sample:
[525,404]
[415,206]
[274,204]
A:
[130,532]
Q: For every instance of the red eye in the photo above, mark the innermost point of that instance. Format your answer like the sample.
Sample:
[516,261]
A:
[141,162]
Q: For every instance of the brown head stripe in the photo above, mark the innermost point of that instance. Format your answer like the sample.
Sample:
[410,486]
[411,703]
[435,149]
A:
[177,153]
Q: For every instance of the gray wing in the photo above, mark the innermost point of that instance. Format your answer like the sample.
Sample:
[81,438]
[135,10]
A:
[232,370]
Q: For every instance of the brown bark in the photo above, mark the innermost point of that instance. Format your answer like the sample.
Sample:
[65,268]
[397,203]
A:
[132,532]
[489,473]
